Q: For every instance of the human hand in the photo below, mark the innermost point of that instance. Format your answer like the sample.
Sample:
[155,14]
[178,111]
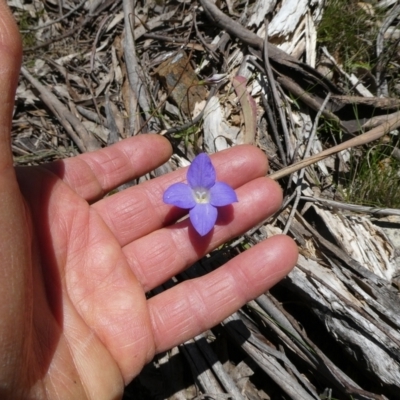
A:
[75,266]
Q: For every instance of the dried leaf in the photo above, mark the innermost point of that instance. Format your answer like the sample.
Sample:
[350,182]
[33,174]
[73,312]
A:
[249,109]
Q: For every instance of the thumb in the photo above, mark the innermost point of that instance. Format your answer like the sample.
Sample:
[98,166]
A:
[10,63]
[15,251]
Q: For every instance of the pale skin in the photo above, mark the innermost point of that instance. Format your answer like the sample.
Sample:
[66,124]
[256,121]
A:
[75,266]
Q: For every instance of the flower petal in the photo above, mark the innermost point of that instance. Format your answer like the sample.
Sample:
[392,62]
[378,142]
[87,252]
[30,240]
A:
[221,194]
[180,195]
[201,172]
[203,218]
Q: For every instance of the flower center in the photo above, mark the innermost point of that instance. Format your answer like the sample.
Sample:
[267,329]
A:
[201,195]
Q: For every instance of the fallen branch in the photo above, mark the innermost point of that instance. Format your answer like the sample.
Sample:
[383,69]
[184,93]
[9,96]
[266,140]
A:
[352,207]
[71,124]
[374,134]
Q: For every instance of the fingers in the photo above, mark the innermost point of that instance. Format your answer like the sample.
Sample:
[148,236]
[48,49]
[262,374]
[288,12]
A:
[10,62]
[199,304]
[92,175]
[164,253]
[140,210]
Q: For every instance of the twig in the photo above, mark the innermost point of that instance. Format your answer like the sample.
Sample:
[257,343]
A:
[99,30]
[275,54]
[353,207]
[71,124]
[152,24]
[301,174]
[56,20]
[274,128]
[174,41]
[38,156]
[304,72]
[361,89]
[374,134]
[112,125]
[310,101]
[382,88]
[278,101]
[135,73]
[59,37]
[314,129]
[92,116]
[202,40]
[86,20]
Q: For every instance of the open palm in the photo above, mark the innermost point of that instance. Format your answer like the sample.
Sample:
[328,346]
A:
[75,265]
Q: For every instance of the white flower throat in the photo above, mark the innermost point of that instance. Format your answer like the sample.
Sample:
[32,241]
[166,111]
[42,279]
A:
[201,195]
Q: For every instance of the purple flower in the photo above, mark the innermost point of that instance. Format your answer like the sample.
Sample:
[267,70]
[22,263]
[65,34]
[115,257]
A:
[202,195]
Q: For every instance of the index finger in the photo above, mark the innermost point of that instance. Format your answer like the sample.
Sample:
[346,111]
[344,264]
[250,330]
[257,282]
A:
[93,174]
